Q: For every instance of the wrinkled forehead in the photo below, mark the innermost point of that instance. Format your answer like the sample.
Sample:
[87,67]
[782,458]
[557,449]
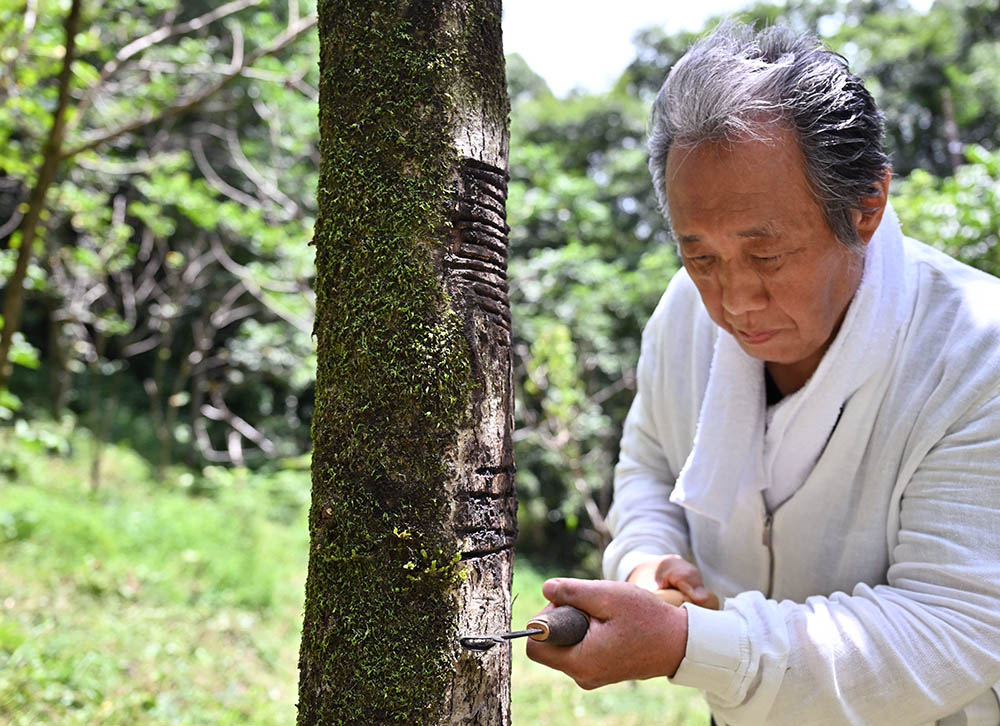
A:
[769,164]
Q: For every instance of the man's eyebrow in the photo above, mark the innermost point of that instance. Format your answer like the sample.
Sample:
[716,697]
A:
[768,229]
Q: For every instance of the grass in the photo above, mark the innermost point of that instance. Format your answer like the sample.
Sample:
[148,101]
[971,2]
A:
[144,603]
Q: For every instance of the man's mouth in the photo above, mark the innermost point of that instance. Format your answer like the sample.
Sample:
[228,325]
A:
[756,337]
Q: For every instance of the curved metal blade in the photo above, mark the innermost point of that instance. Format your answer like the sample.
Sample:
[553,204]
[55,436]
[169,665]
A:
[482,643]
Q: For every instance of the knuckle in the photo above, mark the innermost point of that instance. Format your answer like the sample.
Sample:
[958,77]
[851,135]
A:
[671,563]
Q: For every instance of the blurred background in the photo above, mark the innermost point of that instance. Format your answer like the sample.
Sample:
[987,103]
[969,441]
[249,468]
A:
[154,433]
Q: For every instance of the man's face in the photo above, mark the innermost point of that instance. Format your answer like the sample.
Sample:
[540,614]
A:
[756,244]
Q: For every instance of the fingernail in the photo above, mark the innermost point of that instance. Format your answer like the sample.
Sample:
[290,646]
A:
[700,593]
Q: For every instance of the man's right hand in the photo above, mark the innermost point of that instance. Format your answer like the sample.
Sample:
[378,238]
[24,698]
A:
[674,580]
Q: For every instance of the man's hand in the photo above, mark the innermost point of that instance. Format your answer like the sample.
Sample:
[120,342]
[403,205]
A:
[662,575]
[632,635]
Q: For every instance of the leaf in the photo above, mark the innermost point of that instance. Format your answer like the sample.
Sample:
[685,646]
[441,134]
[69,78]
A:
[22,353]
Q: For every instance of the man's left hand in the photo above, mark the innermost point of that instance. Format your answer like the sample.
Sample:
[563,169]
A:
[633,634]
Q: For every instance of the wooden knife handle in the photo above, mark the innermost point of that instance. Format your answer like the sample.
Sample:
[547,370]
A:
[564,625]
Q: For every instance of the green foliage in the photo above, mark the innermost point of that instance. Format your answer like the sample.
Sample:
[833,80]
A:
[589,260]
[926,72]
[229,511]
[9,404]
[22,353]
[580,318]
[159,245]
[959,214]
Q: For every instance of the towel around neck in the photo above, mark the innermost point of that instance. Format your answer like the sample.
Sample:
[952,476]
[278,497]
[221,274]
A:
[737,450]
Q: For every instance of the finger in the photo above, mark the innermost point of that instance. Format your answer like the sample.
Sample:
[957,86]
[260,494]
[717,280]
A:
[572,661]
[695,593]
[673,570]
[682,575]
[690,586]
[644,576]
[553,656]
[711,602]
[671,596]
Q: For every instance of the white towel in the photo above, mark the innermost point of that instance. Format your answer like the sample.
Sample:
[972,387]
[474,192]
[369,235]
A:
[736,451]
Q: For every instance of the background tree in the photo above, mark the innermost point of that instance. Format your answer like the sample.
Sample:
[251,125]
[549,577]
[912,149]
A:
[162,260]
[412,523]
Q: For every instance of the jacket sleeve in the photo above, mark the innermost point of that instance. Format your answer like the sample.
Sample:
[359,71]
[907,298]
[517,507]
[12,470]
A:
[644,522]
[911,651]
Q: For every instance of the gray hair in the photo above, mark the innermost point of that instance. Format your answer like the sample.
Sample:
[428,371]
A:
[733,82]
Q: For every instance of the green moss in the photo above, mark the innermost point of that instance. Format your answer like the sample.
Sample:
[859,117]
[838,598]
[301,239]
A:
[394,379]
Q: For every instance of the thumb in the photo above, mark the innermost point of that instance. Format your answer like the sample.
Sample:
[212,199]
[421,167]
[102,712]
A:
[592,596]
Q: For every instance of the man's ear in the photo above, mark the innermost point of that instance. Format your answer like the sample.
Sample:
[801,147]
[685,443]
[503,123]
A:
[868,218]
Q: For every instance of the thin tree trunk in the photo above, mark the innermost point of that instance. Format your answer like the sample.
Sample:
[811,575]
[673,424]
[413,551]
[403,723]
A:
[159,400]
[97,415]
[413,516]
[13,300]
[955,155]
[59,373]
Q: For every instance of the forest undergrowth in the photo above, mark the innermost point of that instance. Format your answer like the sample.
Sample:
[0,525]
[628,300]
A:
[179,601]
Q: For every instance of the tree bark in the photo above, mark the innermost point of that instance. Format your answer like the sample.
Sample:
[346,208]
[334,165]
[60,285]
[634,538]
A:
[413,512]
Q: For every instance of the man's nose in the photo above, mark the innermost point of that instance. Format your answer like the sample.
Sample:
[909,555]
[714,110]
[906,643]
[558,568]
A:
[742,290]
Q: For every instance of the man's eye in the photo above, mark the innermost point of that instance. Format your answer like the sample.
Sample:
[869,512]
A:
[767,260]
[700,260]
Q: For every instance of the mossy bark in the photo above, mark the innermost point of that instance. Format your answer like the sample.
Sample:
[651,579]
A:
[413,513]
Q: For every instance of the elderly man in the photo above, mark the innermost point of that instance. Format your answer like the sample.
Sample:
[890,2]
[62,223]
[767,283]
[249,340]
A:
[816,435]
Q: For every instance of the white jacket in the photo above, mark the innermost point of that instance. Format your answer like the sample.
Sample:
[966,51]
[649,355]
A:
[872,595]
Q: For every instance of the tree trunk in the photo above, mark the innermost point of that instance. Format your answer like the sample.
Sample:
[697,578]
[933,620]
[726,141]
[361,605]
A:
[13,300]
[956,157]
[413,511]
